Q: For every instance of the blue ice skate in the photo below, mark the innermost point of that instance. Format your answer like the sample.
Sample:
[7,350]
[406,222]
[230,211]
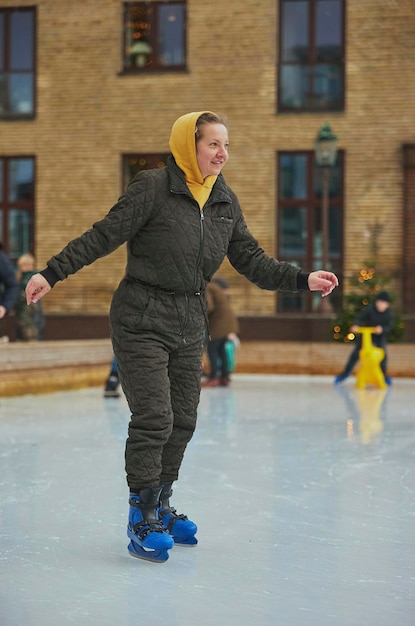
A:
[181,529]
[149,539]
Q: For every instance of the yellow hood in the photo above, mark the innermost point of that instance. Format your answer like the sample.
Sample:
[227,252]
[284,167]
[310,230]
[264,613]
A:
[183,148]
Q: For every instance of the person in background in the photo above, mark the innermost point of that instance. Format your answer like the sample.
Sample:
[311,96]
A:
[113,381]
[29,321]
[9,287]
[378,315]
[179,222]
[223,327]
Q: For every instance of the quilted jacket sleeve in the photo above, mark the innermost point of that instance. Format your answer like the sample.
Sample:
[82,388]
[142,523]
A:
[120,224]
[249,259]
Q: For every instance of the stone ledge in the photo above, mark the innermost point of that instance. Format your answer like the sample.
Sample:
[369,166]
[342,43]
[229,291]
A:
[314,358]
[46,366]
[32,368]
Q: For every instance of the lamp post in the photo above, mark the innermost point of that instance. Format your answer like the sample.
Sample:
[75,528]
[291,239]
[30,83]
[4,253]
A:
[325,150]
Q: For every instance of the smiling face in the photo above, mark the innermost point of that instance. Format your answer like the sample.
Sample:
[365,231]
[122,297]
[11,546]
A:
[212,149]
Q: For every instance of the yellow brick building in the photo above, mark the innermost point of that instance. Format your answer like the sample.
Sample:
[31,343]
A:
[89,113]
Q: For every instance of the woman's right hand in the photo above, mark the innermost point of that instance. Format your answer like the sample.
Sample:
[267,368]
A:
[36,288]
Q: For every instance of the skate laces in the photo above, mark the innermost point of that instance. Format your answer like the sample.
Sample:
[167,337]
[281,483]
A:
[144,527]
[172,516]
[171,511]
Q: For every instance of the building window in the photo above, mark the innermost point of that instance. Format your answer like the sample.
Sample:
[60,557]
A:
[17,205]
[17,62]
[311,55]
[154,36]
[134,163]
[300,223]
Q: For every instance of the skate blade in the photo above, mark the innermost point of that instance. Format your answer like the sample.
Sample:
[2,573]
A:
[155,556]
[189,542]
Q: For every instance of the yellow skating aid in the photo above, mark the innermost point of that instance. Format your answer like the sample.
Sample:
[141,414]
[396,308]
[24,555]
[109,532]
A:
[370,358]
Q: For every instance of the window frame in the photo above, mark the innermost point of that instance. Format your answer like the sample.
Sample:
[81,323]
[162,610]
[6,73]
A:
[6,205]
[312,202]
[7,12]
[312,61]
[154,66]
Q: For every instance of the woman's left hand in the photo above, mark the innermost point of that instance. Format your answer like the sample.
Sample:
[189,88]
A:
[322,281]
[36,288]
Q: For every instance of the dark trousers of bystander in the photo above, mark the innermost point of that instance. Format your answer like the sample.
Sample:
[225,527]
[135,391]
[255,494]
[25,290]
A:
[218,358]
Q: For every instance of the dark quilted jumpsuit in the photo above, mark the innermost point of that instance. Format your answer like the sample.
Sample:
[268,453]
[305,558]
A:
[158,312]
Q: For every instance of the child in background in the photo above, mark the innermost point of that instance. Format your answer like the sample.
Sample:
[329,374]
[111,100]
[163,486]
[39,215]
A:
[379,316]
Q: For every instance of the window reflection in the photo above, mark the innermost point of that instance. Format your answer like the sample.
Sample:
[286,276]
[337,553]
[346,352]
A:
[20,180]
[154,35]
[294,81]
[293,232]
[328,30]
[17,62]
[21,93]
[20,233]
[296,35]
[311,55]
[327,86]
[17,205]
[300,223]
[293,181]
[21,40]
[138,35]
[171,26]
[1,41]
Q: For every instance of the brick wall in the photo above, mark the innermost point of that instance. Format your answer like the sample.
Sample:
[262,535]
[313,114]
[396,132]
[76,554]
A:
[88,115]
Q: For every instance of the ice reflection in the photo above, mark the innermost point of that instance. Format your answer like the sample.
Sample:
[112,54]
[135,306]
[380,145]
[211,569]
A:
[365,412]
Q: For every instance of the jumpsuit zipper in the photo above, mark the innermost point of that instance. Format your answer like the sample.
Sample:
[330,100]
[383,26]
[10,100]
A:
[198,261]
[202,238]
[196,287]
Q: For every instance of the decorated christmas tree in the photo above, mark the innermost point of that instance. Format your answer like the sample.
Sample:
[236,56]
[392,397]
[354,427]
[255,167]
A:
[361,290]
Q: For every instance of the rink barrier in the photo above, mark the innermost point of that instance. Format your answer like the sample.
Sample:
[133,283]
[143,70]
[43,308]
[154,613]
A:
[48,366]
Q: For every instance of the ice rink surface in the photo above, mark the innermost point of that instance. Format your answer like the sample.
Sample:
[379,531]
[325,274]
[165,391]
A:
[304,494]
